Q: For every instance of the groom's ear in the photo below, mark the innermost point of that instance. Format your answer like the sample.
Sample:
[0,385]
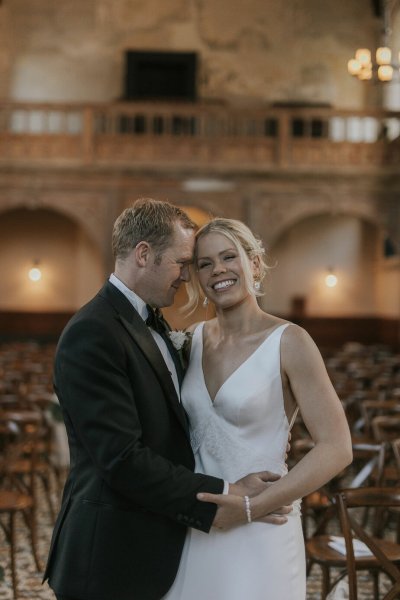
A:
[142,253]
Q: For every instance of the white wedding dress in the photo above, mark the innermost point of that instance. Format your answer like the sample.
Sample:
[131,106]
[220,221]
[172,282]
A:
[244,430]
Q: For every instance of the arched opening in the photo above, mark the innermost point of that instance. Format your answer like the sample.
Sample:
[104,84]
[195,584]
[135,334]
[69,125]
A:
[70,264]
[310,250]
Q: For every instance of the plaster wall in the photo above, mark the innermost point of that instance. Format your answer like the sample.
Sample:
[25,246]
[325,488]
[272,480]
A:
[259,51]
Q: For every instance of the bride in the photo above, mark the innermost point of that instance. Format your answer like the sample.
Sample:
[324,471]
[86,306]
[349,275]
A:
[249,374]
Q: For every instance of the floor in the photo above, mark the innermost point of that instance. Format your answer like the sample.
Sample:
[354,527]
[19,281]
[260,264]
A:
[29,580]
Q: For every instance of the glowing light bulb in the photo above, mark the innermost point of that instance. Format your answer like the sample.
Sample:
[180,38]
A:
[363,55]
[354,66]
[385,73]
[383,55]
[331,280]
[35,274]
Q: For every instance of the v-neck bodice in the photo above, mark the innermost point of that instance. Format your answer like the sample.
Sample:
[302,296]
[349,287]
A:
[245,429]
[236,371]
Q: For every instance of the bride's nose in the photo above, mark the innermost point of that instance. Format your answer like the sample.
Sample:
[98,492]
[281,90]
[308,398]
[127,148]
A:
[218,268]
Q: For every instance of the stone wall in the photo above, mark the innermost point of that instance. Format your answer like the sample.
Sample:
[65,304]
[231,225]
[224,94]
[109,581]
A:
[258,51]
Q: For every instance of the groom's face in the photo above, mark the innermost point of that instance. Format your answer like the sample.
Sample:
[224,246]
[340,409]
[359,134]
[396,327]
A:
[169,270]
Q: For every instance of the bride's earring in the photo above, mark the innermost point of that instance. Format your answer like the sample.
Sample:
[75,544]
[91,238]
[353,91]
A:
[205,302]
[257,286]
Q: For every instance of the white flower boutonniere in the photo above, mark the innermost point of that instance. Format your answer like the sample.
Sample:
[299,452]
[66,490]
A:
[180,340]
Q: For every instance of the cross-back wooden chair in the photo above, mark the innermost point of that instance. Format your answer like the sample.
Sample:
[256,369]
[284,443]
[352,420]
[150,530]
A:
[386,427]
[395,445]
[385,554]
[32,423]
[14,498]
[370,462]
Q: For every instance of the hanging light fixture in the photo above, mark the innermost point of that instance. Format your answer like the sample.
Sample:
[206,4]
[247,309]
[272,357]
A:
[331,279]
[34,273]
[382,66]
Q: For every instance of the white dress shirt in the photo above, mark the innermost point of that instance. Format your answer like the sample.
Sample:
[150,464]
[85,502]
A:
[139,305]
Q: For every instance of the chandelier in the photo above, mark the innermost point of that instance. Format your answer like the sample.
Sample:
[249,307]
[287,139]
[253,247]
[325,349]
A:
[383,67]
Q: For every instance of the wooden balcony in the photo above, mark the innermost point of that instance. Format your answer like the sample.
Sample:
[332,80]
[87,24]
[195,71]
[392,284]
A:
[197,137]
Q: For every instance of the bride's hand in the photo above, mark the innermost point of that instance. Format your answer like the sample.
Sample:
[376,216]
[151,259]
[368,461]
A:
[231,511]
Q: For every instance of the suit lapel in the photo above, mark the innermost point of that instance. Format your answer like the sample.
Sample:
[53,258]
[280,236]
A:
[142,337]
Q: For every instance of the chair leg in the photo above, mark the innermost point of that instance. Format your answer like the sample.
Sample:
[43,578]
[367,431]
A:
[32,531]
[326,582]
[394,593]
[46,485]
[12,553]
[375,578]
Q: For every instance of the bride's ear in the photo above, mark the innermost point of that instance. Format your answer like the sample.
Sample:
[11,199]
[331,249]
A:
[256,268]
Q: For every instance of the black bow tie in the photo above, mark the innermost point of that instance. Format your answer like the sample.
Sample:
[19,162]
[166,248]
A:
[155,320]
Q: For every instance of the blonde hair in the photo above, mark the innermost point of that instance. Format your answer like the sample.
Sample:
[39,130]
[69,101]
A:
[248,247]
[147,220]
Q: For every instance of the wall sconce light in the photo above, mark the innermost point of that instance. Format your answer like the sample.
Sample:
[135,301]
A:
[331,279]
[35,274]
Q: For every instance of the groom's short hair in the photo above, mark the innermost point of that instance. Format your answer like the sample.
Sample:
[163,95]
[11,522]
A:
[147,220]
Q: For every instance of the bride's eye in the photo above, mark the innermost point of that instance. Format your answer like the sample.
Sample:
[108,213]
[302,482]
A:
[230,256]
[202,265]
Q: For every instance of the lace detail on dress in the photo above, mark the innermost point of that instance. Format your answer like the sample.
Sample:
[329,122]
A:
[234,457]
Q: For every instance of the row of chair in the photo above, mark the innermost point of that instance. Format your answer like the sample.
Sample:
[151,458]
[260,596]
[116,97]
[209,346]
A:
[361,504]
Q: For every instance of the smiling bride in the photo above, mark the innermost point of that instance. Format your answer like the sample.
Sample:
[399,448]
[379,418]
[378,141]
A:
[249,373]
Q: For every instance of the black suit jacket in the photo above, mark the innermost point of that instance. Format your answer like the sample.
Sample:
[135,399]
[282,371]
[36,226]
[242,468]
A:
[131,490]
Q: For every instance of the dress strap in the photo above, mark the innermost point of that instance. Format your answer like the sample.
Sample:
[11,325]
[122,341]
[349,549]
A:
[292,420]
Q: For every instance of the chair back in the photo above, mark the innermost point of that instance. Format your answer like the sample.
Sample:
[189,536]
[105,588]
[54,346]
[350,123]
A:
[371,458]
[375,497]
[386,428]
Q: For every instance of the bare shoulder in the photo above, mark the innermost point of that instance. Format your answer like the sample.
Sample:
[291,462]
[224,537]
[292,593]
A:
[298,346]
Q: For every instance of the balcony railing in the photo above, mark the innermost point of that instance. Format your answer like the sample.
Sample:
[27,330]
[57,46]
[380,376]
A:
[197,135]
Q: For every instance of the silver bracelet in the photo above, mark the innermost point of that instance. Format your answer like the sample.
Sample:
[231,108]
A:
[247,508]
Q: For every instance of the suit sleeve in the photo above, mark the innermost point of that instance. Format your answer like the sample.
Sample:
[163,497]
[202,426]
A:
[96,394]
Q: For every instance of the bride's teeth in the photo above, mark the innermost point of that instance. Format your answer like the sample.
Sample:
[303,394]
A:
[223,284]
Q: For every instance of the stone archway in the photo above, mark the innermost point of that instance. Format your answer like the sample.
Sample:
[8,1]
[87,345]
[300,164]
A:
[271,217]
[87,211]
[70,261]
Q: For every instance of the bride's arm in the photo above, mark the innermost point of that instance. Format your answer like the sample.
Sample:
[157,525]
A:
[325,420]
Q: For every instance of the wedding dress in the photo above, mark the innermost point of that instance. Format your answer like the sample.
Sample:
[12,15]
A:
[243,429]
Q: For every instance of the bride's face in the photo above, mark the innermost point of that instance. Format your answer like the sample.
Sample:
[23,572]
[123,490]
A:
[220,271]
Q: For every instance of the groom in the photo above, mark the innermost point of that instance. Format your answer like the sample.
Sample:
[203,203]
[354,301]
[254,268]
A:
[131,491]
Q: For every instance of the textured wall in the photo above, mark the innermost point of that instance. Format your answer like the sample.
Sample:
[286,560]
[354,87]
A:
[253,51]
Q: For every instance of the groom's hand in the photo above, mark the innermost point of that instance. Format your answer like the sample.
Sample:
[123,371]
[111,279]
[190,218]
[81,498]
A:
[253,484]
[231,511]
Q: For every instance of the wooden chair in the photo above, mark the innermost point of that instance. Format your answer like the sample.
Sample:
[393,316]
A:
[395,446]
[385,554]
[386,427]
[33,424]
[374,408]
[370,460]
[14,499]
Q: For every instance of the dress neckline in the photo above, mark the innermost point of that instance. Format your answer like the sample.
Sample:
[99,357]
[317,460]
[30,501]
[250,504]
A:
[235,371]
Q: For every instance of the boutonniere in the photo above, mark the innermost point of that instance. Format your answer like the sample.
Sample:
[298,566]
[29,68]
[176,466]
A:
[181,342]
